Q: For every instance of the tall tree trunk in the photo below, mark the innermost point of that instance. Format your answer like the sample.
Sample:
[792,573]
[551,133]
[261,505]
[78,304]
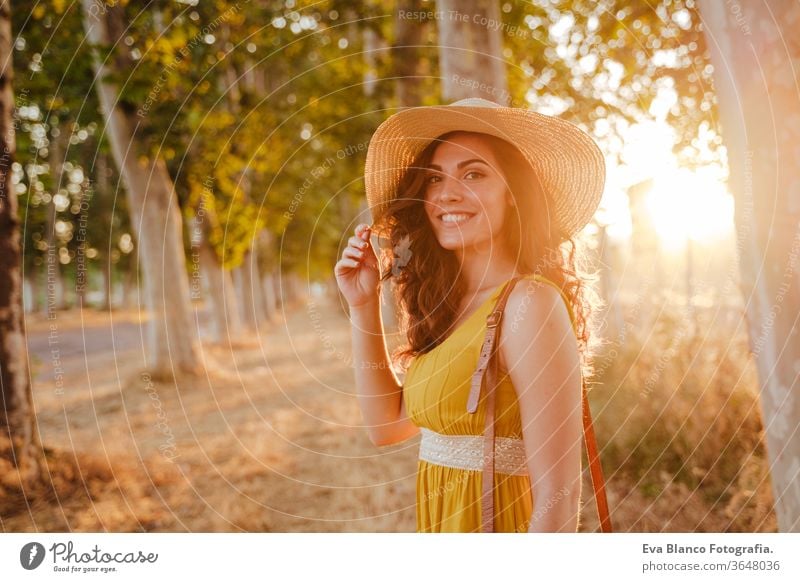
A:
[103,193]
[17,420]
[267,240]
[55,284]
[407,59]
[226,317]
[32,277]
[173,338]
[471,53]
[53,290]
[754,70]
[246,275]
[248,283]
[270,297]
[131,279]
[223,309]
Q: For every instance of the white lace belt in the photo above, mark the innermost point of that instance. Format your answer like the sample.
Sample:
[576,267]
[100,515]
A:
[466,452]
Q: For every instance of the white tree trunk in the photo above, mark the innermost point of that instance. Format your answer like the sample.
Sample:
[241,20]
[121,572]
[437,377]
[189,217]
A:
[223,307]
[55,282]
[248,283]
[755,80]
[471,50]
[172,335]
[102,189]
[270,297]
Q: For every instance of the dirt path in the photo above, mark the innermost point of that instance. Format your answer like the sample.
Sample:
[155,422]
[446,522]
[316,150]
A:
[267,441]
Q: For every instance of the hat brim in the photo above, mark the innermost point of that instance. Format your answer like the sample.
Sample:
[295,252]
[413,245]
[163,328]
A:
[567,160]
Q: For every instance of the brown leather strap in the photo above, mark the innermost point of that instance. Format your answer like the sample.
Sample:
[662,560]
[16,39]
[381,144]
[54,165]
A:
[488,365]
[595,468]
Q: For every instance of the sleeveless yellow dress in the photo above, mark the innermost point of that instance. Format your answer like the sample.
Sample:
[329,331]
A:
[435,392]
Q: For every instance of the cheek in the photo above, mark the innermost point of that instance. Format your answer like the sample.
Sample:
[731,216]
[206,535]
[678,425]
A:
[494,214]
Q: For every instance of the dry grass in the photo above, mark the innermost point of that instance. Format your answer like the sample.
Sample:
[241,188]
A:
[680,427]
[269,439]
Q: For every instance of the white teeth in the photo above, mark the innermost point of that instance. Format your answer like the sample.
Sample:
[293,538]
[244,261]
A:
[455,217]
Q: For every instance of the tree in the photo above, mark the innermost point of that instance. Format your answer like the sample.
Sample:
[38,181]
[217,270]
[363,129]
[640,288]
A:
[754,51]
[173,339]
[17,420]
[470,51]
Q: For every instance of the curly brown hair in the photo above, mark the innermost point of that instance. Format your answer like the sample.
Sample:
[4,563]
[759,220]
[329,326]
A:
[427,286]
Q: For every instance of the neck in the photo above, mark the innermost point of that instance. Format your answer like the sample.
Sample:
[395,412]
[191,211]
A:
[483,269]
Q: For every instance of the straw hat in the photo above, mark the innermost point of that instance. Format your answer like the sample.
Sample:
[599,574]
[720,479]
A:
[568,162]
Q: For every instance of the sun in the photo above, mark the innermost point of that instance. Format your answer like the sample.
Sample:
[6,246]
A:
[688,205]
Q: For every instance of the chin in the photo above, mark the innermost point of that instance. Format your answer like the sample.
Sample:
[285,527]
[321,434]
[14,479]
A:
[453,244]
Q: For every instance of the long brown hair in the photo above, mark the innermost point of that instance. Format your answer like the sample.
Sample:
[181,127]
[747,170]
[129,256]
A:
[427,285]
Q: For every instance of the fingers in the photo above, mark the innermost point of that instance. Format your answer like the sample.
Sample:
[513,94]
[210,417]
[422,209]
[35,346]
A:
[363,231]
[356,242]
[354,253]
[346,264]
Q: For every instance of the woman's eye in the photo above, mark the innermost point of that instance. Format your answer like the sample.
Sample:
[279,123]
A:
[433,178]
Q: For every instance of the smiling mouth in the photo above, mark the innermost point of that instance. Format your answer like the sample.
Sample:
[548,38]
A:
[455,218]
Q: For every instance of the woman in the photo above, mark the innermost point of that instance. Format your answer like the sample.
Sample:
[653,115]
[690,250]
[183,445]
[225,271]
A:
[466,212]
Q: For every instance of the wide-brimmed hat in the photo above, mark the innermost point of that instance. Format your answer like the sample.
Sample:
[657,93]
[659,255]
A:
[567,161]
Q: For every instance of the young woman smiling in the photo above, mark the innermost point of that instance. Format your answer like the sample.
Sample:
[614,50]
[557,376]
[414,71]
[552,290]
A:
[473,213]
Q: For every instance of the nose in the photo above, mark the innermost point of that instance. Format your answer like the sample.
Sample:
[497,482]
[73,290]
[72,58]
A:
[450,189]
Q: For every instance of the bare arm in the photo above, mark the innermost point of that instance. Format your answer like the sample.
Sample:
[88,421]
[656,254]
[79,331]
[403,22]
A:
[538,343]
[380,394]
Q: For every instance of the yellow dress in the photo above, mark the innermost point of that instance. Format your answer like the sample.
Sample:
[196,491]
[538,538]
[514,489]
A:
[435,392]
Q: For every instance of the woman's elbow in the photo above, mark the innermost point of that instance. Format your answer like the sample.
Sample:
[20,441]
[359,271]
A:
[381,437]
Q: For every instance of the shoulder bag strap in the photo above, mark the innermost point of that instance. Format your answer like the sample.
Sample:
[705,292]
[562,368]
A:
[488,364]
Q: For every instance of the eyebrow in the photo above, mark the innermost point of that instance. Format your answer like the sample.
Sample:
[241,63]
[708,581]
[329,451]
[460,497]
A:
[460,164]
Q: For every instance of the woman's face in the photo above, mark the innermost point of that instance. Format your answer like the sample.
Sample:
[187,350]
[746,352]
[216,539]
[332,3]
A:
[465,193]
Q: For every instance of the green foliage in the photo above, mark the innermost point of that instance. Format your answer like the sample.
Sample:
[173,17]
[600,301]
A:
[616,56]
[266,101]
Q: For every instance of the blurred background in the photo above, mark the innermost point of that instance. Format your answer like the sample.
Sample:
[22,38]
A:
[179,178]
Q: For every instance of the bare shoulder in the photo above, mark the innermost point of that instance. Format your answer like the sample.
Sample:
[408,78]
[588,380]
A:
[535,316]
[533,301]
